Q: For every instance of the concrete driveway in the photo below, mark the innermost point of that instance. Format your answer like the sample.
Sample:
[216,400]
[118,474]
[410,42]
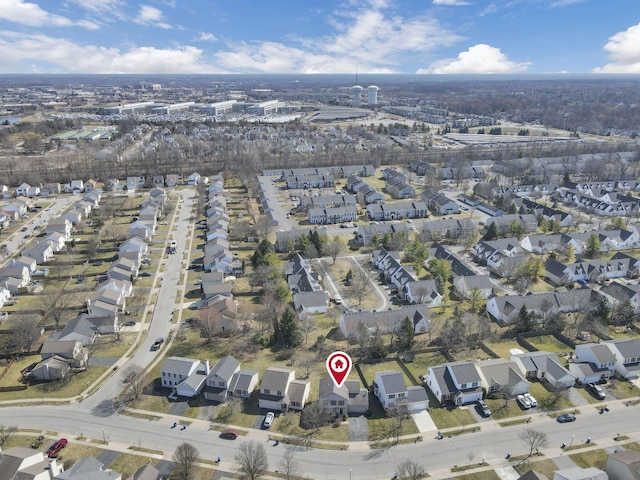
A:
[358,429]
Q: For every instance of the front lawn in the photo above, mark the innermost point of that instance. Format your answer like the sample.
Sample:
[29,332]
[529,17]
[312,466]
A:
[592,458]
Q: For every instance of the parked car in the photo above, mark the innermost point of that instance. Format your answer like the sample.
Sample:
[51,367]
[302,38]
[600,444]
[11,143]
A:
[483,408]
[565,418]
[524,403]
[56,447]
[532,399]
[596,390]
[229,434]
[268,419]
[337,300]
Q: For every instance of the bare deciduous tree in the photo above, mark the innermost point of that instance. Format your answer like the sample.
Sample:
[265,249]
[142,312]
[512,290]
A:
[334,248]
[534,439]
[252,460]
[5,433]
[410,470]
[289,465]
[209,323]
[360,283]
[185,457]
[25,333]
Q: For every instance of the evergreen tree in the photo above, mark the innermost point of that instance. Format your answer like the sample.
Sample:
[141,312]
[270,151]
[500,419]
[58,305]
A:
[492,231]
[377,348]
[593,246]
[525,320]
[406,334]
[289,330]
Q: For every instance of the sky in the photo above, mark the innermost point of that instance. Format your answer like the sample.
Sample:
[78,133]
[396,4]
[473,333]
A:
[320,36]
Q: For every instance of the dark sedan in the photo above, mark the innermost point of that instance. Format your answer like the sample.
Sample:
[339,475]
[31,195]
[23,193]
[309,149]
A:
[565,418]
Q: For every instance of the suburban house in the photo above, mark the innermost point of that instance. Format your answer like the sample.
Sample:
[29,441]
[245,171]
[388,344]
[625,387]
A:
[438,204]
[510,224]
[363,190]
[623,465]
[458,383]
[392,391]
[217,383]
[60,225]
[185,376]
[279,390]
[627,353]
[493,253]
[545,367]
[506,308]
[332,215]
[71,350]
[89,467]
[619,266]
[397,210]
[350,399]
[40,252]
[15,278]
[579,473]
[24,261]
[146,472]
[82,328]
[28,464]
[134,248]
[311,302]
[422,291]
[593,362]
[386,321]
[141,229]
[367,233]
[243,383]
[500,376]
[464,285]
[51,369]
[449,228]
[619,293]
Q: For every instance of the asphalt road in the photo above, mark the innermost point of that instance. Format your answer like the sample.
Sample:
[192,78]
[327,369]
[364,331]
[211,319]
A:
[491,444]
[167,283]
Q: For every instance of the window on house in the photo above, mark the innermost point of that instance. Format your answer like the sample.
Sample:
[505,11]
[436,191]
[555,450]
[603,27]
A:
[392,395]
[401,395]
[333,402]
[279,393]
[295,404]
[341,402]
[221,384]
[267,391]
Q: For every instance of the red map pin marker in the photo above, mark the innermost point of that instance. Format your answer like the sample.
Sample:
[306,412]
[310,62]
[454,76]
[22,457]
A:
[339,365]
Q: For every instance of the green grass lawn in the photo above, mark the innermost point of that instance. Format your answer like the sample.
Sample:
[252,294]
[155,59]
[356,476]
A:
[548,343]
[546,467]
[384,428]
[592,458]
[471,354]
[110,346]
[622,389]
[458,417]
[484,475]
[422,362]
[289,424]
[501,347]
[499,411]
[128,463]
[545,398]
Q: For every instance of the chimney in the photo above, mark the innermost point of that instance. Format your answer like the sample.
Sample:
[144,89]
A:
[207,369]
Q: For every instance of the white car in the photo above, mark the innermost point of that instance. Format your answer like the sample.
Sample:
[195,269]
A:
[268,419]
[532,399]
[337,300]
[524,403]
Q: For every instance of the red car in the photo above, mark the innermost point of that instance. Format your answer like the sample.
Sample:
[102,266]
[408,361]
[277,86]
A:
[56,447]
[229,434]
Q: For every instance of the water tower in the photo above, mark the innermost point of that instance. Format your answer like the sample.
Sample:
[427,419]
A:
[373,94]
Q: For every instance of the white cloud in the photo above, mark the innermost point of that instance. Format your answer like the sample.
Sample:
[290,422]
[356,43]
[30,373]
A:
[31,14]
[564,3]
[450,2]
[623,51]
[16,50]
[151,16]
[205,37]
[479,58]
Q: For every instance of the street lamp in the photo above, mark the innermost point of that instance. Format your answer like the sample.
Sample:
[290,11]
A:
[104,439]
[349,474]
[571,442]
